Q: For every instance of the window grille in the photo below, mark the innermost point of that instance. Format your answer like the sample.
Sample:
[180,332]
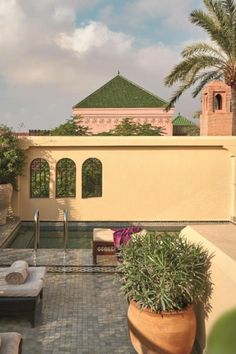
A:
[39,178]
[91,178]
[65,178]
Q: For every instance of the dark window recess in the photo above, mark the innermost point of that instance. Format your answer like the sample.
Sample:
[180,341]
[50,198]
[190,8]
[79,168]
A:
[39,178]
[65,179]
[218,102]
[92,178]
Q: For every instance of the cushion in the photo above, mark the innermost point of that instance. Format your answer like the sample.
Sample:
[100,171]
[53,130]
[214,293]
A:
[31,287]
[10,343]
[17,273]
[104,235]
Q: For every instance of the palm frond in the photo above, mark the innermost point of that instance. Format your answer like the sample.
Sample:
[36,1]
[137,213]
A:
[204,79]
[194,64]
[202,48]
[204,62]
[190,80]
[230,10]
[213,28]
[216,11]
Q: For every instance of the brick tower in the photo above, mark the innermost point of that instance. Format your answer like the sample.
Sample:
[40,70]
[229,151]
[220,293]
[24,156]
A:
[216,117]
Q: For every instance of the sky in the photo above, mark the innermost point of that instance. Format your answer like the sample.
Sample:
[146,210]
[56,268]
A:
[54,53]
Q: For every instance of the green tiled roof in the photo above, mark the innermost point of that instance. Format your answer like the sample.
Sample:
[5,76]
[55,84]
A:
[180,120]
[121,93]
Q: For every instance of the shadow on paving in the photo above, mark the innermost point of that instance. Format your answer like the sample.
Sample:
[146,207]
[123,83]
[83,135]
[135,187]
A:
[81,314]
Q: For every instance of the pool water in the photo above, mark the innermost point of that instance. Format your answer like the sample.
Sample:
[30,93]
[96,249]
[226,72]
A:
[52,237]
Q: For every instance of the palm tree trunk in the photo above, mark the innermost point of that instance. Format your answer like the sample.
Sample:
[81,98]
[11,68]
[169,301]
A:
[233,97]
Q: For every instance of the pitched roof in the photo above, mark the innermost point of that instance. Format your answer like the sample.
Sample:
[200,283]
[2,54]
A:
[121,93]
[180,120]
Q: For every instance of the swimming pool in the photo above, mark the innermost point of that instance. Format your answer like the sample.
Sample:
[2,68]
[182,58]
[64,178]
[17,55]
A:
[52,236]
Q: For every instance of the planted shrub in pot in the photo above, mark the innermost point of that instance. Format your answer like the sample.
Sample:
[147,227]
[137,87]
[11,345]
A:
[11,165]
[163,276]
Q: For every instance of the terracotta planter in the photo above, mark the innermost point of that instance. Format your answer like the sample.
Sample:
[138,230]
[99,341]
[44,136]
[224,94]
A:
[166,333]
[5,199]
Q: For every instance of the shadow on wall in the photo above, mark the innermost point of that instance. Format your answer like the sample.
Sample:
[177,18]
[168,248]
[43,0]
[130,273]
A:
[200,340]
[64,204]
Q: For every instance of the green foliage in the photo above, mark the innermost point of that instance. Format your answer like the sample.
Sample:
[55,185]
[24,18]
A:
[40,178]
[165,272]
[203,62]
[65,179]
[222,337]
[71,127]
[128,127]
[11,157]
[91,178]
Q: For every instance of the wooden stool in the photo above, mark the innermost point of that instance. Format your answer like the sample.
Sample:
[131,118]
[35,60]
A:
[103,244]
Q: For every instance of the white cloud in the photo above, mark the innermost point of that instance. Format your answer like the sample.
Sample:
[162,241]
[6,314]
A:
[11,23]
[48,64]
[172,14]
[95,35]
[64,14]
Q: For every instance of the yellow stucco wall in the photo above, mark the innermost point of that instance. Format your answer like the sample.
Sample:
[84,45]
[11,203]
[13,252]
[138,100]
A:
[144,178]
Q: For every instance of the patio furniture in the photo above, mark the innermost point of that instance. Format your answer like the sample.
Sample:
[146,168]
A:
[11,343]
[102,243]
[22,300]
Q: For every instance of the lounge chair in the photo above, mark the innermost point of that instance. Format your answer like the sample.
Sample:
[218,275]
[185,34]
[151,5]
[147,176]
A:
[11,343]
[102,243]
[22,300]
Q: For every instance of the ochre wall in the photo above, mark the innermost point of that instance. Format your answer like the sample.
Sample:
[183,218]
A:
[144,178]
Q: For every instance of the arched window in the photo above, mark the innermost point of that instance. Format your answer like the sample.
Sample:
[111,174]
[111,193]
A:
[91,178]
[65,179]
[39,178]
[218,102]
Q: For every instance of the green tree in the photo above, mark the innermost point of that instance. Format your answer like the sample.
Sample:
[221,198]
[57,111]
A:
[71,127]
[12,157]
[203,62]
[128,127]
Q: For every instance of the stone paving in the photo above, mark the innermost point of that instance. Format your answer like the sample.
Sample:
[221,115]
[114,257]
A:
[54,257]
[81,314]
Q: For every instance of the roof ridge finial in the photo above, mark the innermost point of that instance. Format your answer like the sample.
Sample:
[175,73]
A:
[118,72]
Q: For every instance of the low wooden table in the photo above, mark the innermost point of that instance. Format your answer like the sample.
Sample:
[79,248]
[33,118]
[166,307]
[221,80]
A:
[103,244]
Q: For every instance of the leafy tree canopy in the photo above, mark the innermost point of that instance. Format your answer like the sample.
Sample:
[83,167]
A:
[71,127]
[128,127]
[11,156]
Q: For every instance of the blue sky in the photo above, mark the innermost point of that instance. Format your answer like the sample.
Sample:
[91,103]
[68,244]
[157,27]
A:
[56,52]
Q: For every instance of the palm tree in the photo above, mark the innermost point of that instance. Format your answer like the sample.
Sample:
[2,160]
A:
[204,62]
